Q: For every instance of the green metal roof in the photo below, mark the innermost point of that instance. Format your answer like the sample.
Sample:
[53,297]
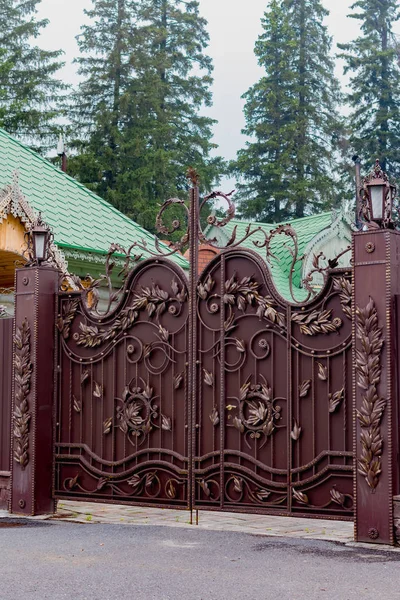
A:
[79,219]
[306,229]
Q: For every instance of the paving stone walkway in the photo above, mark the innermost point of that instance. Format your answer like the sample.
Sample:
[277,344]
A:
[317,529]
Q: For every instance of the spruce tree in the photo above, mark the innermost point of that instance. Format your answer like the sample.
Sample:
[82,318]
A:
[291,117]
[146,80]
[29,90]
[375,84]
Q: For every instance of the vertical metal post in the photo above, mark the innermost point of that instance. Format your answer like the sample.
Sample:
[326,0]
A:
[193,364]
[376,255]
[33,391]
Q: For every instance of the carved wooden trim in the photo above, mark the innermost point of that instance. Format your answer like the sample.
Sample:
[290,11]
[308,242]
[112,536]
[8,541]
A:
[22,375]
[368,372]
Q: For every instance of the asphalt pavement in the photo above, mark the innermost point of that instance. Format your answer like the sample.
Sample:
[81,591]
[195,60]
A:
[51,560]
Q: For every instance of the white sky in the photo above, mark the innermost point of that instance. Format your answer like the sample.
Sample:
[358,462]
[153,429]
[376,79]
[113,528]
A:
[234,26]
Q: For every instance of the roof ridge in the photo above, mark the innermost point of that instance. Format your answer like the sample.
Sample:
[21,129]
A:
[288,221]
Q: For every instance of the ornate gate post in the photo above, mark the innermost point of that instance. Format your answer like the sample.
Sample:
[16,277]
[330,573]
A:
[376,255]
[33,390]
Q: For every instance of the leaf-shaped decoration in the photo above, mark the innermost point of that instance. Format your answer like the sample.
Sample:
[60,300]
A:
[335,400]
[240,346]
[149,479]
[238,424]
[304,388]
[98,390]
[300,497]
[337,497]
[269,428]
[230,407]
[73,482]
[164,333]
[166,423]
[243,390]
[322,372]
[204,486]
[135,482]
[84,377]
[262,494]
[174,287]
[77,404]
[101,483]
[208,377]
[178,380]
[107,425]
[214,417]
[238,484]
[257,413]
[296,432]
[170,490]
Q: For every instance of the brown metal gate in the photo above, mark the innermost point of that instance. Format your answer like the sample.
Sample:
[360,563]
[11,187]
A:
[212,393]
[6,328]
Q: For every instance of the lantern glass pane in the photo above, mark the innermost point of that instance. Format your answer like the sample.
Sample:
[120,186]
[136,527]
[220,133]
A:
[40,243]
[376,192]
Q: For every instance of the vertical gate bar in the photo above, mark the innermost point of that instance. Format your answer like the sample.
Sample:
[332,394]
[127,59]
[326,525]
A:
[192,358]
[290,416]
[222,386]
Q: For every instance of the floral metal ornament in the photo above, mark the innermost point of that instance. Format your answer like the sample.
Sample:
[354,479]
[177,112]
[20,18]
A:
[257,411]
[23,374]
[154,300]
[368,371]
[138,413]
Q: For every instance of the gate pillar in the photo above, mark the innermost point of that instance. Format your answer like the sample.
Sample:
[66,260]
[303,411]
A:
[376,255]
[33,391]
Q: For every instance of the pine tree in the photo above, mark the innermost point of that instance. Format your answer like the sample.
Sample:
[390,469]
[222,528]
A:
[375,84]
[29,90]
[291,117]
[146,80]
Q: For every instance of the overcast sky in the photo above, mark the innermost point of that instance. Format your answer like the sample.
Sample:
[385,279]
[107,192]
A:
[234,26]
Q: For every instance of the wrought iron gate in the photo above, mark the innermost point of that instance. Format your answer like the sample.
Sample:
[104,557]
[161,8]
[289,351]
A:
[208,393]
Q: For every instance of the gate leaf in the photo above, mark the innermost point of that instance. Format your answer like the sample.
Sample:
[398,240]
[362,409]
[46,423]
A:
[335,400]
[170,490]
[98,390]
[77,404]
[300,497]
[214,417]
[238,484]
[208,378]
[322,372]
[107,425]
[304,388]
[166,423]
[295,434]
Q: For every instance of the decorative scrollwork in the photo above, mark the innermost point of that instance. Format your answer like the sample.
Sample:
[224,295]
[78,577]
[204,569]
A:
[138,413]
[368,370]
[322,269]
[23,374]
[154,300]
[317,322]
[242,294]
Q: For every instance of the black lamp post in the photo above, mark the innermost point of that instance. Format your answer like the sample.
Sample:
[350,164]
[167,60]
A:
[378,196]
